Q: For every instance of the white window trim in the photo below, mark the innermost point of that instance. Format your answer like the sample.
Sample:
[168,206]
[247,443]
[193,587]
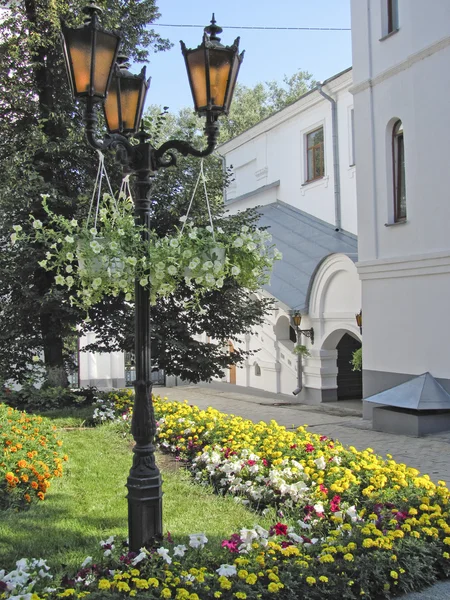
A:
[305,132]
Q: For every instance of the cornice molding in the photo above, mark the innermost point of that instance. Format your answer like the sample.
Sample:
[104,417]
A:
[357,88]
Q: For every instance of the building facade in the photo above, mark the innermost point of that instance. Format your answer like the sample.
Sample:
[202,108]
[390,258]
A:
[401,53]
[298,167]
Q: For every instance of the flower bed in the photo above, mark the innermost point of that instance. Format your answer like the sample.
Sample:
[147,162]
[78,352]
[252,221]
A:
[31,457]
[351,524]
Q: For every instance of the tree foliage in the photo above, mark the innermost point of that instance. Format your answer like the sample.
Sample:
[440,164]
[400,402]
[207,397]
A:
[43,151]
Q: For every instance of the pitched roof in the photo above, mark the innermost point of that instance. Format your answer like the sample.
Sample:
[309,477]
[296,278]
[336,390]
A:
[420,393]
[305,242]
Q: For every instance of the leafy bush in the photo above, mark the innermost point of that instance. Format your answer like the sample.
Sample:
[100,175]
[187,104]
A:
[357,360]
[33,399]
[31,457]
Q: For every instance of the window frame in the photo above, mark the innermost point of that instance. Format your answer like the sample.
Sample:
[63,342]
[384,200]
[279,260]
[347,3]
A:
[321,145]
[352,136]
[398,171]
[390,23]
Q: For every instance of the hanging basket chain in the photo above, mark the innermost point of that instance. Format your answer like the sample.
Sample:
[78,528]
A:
[201,176]
[97,192]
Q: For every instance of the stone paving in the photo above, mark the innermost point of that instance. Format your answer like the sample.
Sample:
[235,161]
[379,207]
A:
[430,454]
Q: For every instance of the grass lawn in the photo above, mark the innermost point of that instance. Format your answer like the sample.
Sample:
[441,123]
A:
[88,503]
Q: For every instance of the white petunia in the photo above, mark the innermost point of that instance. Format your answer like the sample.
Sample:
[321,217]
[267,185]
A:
[320,463]
[164,553]
[238,242]
[86,561]
[235,270]
[197,540]
[179,550]
[172,270]
[226,570]
[37,224]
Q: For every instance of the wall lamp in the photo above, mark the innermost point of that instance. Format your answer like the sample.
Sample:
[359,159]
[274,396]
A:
[309,333]
[358,318]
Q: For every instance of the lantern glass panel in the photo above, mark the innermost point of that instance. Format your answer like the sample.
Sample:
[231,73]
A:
[105,51]
[197,71]
[219,71]
[78,49]
[129,98]
[111,107]
[232,84]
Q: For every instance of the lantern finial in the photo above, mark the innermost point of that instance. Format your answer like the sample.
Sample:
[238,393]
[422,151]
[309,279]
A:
[212,30]
[91,11]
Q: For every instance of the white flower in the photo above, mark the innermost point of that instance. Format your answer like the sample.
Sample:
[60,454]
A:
[107,553]
[352,513]
[42,263]
[13,237]
[113,245]
[164,553]
[73,223]
[197,540]
[244,228]
[37,224]
[247,535]
[93,231]
[86,561]
[193,235]
[319,507]
[70,281]
[207,265]
[17,228]
[161,266]
[220,230]
[179,550]
[69,256]
[97,283]
[69,269]
[187,253]
[59,279]
[251,246]
[172,270]
[277,255]
[143,281]
[321,463]
[137,559]
[35,359]
[238,242]
[209,228]
[128,297]
[296,538]
[69,239]
[194,263]
[121,232]
[174,243]
[96,247]
[226,570]
[183,219]
[219,282]
[235,270]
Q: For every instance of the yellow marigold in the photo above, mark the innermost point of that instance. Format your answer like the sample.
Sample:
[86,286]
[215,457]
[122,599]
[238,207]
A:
[242,574]
[123,586]
[310,580]
[166,593]
[217,594]
[251,579]
[394,574]
[323,578]
[240,595]
[348,557]
[446,541]
[225,583]
[326,558]
[273,587]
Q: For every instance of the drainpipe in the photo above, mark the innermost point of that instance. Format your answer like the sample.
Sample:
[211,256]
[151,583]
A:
[224,170]
[299,387]
[337,179]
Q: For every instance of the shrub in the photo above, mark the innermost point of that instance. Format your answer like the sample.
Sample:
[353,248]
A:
[33,399]
[31,457]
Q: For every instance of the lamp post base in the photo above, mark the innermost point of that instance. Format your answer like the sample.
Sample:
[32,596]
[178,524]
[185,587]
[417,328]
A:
[144,500]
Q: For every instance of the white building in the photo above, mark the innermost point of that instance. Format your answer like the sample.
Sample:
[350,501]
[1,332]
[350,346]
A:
[298,166]
[401,90]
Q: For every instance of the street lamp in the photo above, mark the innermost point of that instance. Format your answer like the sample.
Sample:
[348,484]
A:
[309,333]
[91,54]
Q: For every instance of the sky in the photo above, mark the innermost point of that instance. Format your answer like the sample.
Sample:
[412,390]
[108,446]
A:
[269,55]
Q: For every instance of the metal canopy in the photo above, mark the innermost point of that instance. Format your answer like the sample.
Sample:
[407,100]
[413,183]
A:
[421,393]
[305,242]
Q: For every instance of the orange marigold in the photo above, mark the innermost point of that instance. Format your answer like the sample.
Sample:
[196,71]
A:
[9,477]
[40,495]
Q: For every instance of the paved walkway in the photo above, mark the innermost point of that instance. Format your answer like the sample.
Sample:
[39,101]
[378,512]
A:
[339,420]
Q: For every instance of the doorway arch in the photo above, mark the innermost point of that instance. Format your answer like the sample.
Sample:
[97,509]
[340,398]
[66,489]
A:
[349,382]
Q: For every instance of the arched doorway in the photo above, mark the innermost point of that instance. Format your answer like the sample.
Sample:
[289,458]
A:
[349,382]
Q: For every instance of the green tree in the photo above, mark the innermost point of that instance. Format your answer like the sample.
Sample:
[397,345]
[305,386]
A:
[253,104]
[43,151]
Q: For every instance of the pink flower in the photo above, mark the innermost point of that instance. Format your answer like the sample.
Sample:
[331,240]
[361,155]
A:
[309,448]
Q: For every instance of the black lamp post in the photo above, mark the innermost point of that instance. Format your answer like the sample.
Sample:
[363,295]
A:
[309,333]
[91,53]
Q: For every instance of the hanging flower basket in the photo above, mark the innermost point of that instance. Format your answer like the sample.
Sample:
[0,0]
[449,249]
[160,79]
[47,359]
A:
[107,259]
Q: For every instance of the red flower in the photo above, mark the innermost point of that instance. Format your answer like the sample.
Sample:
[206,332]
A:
[309,448]
[323,438]
[251,462]
[323,489]
[280,529]
[264,462]
[334,504]
[293,446]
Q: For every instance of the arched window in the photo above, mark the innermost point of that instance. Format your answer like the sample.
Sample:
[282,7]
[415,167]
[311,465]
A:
[398,168]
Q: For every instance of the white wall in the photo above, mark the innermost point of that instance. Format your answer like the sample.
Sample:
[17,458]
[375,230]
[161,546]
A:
[405,267]
[274,151]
